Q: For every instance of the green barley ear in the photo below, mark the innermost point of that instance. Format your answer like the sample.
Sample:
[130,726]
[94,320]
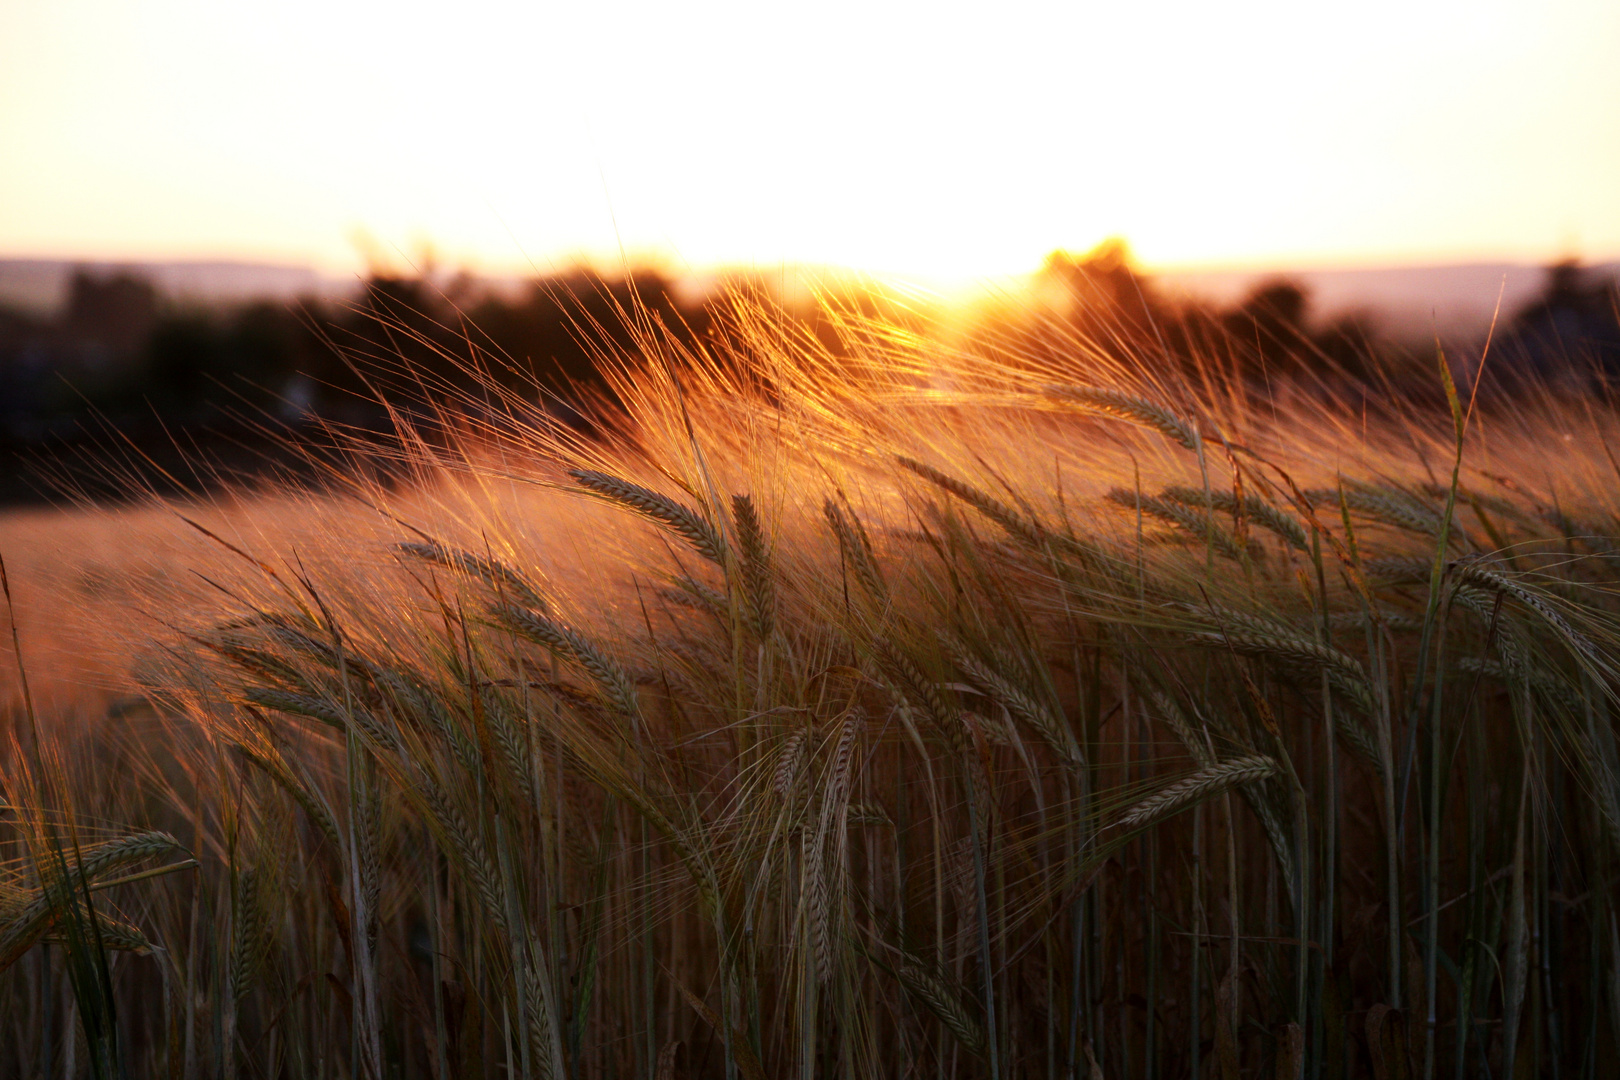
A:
[288,701]
[690,525]
[306,797]
[1102,401]
[870,814]
[250,932]
[326,711]
[1267,639]
[756,567]
[1475,572]
[788,762]
[1256,795]
[1361,620]
[1554,692]
[825,865]
[1389,506]
[1167,710]
[116,934]
[61,884]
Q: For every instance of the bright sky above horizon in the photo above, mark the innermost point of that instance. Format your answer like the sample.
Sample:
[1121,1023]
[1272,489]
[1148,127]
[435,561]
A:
[942,141]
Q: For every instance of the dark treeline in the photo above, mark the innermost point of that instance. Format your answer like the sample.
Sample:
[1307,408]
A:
[119,374]
[120,365]
[117,352]
[1566,338]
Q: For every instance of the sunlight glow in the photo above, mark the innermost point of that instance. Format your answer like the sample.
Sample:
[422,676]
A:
[943,141]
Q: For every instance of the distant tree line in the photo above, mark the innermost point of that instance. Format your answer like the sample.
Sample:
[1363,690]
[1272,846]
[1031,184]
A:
[118,356]
[1568,336]
[118,353]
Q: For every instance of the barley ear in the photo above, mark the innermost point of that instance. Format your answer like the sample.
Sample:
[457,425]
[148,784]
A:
[1196,523]
[1018,526]
[931,990]
[756,567]
[491,571]
[1256,509]
[569,644]
[857,549]
[690,525]
[1103,401]
[1201,785]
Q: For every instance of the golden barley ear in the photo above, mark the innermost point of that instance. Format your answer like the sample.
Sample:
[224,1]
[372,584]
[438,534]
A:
[1258,510]
[856,547]
[687,523]
[491,571]
[1018,525]
[756,567]
[1195,522]
[1103,401]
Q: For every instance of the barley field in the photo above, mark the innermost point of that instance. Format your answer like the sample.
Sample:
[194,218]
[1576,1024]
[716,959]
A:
[998,708]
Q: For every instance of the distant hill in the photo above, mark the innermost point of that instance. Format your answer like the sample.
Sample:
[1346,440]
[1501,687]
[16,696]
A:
[1403,301]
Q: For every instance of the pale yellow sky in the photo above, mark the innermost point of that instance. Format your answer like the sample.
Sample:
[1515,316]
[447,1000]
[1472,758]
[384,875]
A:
[941,140]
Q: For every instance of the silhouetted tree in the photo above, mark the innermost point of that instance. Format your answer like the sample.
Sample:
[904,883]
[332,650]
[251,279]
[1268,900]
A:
[1572,326]
[1105,293]
[1268,328]
[117,312]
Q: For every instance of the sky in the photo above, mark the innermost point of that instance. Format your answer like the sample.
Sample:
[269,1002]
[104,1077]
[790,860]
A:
[942,140]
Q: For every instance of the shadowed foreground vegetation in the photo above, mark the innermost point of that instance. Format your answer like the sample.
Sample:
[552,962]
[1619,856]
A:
[872,711]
